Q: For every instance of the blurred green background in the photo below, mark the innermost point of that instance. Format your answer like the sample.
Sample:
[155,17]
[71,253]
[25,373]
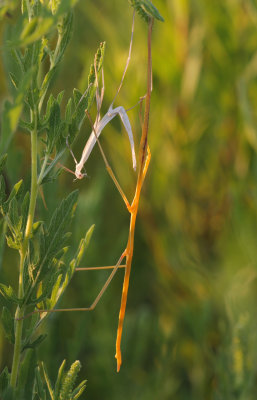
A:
[190,330]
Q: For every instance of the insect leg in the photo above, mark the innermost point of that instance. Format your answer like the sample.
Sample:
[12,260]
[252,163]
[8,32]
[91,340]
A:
[124,118]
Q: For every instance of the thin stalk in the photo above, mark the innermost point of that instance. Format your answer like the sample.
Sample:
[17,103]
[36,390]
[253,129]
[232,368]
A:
[20,310]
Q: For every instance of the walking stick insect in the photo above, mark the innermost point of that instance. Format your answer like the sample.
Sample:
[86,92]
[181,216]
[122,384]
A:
[144,157]
[144,160]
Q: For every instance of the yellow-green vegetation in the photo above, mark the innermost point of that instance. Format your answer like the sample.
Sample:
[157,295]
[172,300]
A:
[190,327]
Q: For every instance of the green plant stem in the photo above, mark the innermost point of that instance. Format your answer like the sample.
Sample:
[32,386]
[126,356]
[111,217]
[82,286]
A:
[20,310]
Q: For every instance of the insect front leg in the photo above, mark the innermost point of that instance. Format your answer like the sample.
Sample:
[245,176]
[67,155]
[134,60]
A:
[125,120]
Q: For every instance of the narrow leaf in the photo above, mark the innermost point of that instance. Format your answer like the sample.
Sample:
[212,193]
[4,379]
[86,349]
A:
[60,97]
[16,192]
[4,380]
[8,324]
[3,160]
[2,192]
[79,390]
[25,211]
[8,294]
[53,241]
[35,343]
[12,111]
[39,390]
[27,375]
[82,248]
[59,379]
[48,383]
[14,80]
[13,213]
[26,126]
[65,30]
[69,380]
[13,243]
[54,126]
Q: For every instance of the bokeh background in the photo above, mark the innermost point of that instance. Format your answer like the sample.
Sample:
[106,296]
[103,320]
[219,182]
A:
[190,330]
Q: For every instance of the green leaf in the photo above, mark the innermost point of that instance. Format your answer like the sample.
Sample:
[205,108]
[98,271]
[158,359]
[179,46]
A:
[8,324]
[79,390]
[60,97]
[13,243]
[14,222]
[10,118]
[25,211]
[98,63]
[61,219]
[69,380]
[54,126]
[52,241]
[35,343]
[39,387]
[4,380]
[64,6]
[54,118]
[8,294]
[3,228]
[27,375]
[16,192]
[82,248]
[12,111]
[34,30]
[3,160]
[68,111]
[2,193]
[36,226]
[55,293]
[29,28]
[47,80]
[81,102]
[7,7]
[49,105]
[18,61]
[14,215]
[48,383]
[14,80]
[32,59]
[49,176]
[48,285]
[146,9]
[65,30]
[26,126]
[59,379]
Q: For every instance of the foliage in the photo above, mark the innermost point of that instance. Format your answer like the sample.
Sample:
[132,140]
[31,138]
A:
[146,9]
[190,324]
[190,329]
[33,50]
